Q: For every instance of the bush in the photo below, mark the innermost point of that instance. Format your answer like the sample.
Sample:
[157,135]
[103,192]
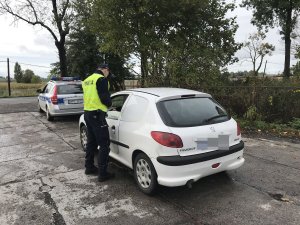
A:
[252,114]
[268,100]
[295,123]
[36,79]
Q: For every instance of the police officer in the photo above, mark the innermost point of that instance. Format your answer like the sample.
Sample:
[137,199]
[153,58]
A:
[96,101]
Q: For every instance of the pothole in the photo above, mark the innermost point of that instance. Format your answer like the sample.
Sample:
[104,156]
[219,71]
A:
[279,197]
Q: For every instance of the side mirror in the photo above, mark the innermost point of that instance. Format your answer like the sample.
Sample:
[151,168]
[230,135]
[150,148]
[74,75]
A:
[39,90]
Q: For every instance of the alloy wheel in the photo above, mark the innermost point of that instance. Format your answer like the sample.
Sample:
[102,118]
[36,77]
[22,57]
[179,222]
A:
[143,173]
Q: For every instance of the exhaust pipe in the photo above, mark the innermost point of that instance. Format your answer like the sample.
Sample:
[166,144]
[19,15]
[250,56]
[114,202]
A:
[189,184]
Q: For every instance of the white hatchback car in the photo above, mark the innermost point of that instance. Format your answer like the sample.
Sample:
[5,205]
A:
[61,97]
[170,136]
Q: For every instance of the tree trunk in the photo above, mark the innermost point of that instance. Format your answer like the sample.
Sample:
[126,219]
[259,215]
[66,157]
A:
[287,40]
[144,68]
[62,58]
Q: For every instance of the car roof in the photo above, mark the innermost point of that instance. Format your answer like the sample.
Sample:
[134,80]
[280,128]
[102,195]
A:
[60,82]
[166,92]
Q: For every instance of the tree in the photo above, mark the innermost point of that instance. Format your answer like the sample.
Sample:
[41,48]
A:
[175,41]
[83,52]
[55,71]
[258,49]
[27,76]
[271,13]
[36,79]
[18,73]
[55,16]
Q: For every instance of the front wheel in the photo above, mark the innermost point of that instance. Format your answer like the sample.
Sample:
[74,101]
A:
[83,137]
[145,174]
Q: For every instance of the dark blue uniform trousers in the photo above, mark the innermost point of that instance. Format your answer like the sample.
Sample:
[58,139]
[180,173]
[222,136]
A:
[98,135]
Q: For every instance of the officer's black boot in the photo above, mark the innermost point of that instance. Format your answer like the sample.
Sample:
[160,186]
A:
[92,171]
[104,175]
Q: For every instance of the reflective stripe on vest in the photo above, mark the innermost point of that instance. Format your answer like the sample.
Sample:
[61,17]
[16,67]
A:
[91,98]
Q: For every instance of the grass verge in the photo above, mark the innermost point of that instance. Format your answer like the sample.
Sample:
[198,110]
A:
[289,130]
[19,89]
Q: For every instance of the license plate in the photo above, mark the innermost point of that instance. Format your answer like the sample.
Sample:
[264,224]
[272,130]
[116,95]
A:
[202,145]
[220,143]
[75,101]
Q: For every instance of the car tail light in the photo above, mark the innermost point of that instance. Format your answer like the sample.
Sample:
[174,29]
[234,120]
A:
[238,130]
[167,139]
[54,96]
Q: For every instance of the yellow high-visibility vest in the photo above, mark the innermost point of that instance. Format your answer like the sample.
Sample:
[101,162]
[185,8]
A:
[91,98]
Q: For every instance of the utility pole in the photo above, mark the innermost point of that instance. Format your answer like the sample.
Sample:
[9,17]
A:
[8,78]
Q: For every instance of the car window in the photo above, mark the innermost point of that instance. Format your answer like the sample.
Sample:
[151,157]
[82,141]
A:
[114,112]
[47,89]
[189,112]
[135,109]
[69,89]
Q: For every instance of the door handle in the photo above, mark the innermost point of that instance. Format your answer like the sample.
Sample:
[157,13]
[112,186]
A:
[113,129]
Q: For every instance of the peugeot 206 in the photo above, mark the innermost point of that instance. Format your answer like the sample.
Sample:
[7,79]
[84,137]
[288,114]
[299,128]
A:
[170,136]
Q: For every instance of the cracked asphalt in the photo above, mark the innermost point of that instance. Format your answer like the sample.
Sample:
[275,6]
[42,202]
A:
[42,181]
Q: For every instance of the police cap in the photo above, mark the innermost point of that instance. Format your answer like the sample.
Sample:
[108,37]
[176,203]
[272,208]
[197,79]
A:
[103,66]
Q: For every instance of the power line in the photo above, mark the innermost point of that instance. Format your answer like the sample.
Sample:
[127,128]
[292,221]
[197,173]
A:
[27,64]
[48,67]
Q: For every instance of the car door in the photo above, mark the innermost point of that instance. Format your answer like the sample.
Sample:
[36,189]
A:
[113,120]
[43,96]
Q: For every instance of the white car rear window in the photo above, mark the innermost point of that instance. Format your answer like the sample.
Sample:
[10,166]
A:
[189,112]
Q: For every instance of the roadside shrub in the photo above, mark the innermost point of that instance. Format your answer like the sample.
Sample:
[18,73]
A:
[268,100]
[252,114]
[295,123]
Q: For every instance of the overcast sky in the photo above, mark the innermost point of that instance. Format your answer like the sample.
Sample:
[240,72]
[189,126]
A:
[26,44]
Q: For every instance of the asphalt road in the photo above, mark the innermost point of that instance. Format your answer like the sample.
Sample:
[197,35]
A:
[42,181]
[22,104]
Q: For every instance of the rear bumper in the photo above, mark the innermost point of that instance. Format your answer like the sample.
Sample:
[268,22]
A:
[186,160]
[55,111]
[179,175]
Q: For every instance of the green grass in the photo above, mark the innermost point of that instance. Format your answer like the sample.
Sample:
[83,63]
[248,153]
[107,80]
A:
[19,89]
[291,129]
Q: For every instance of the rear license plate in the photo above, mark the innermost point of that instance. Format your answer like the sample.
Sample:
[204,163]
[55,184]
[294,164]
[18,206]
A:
[75,101]
[223,142]
[202,145]
[220,143]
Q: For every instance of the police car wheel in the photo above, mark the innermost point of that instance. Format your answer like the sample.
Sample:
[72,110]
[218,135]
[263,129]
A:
[145,174]
[49,117]
[83,137]
[39,108]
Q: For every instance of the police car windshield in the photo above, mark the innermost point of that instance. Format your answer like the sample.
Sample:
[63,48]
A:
[69,89]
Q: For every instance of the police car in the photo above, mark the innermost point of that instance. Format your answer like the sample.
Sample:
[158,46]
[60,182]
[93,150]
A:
[60,97]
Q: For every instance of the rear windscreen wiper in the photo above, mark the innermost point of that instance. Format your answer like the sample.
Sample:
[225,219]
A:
[214,117]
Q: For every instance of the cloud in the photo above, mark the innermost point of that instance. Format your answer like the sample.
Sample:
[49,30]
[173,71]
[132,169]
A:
[275,63]
[26,44]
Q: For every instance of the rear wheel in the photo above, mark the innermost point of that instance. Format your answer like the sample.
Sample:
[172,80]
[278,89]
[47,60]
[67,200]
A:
[83,137]
[145,174]
[49,117]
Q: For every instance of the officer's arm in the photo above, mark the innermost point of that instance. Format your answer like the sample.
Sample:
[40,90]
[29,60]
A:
[102,88]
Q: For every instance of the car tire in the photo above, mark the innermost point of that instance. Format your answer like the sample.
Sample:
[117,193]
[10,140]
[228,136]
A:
[39,107]
[48,115]
[145,174]
[83,137]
